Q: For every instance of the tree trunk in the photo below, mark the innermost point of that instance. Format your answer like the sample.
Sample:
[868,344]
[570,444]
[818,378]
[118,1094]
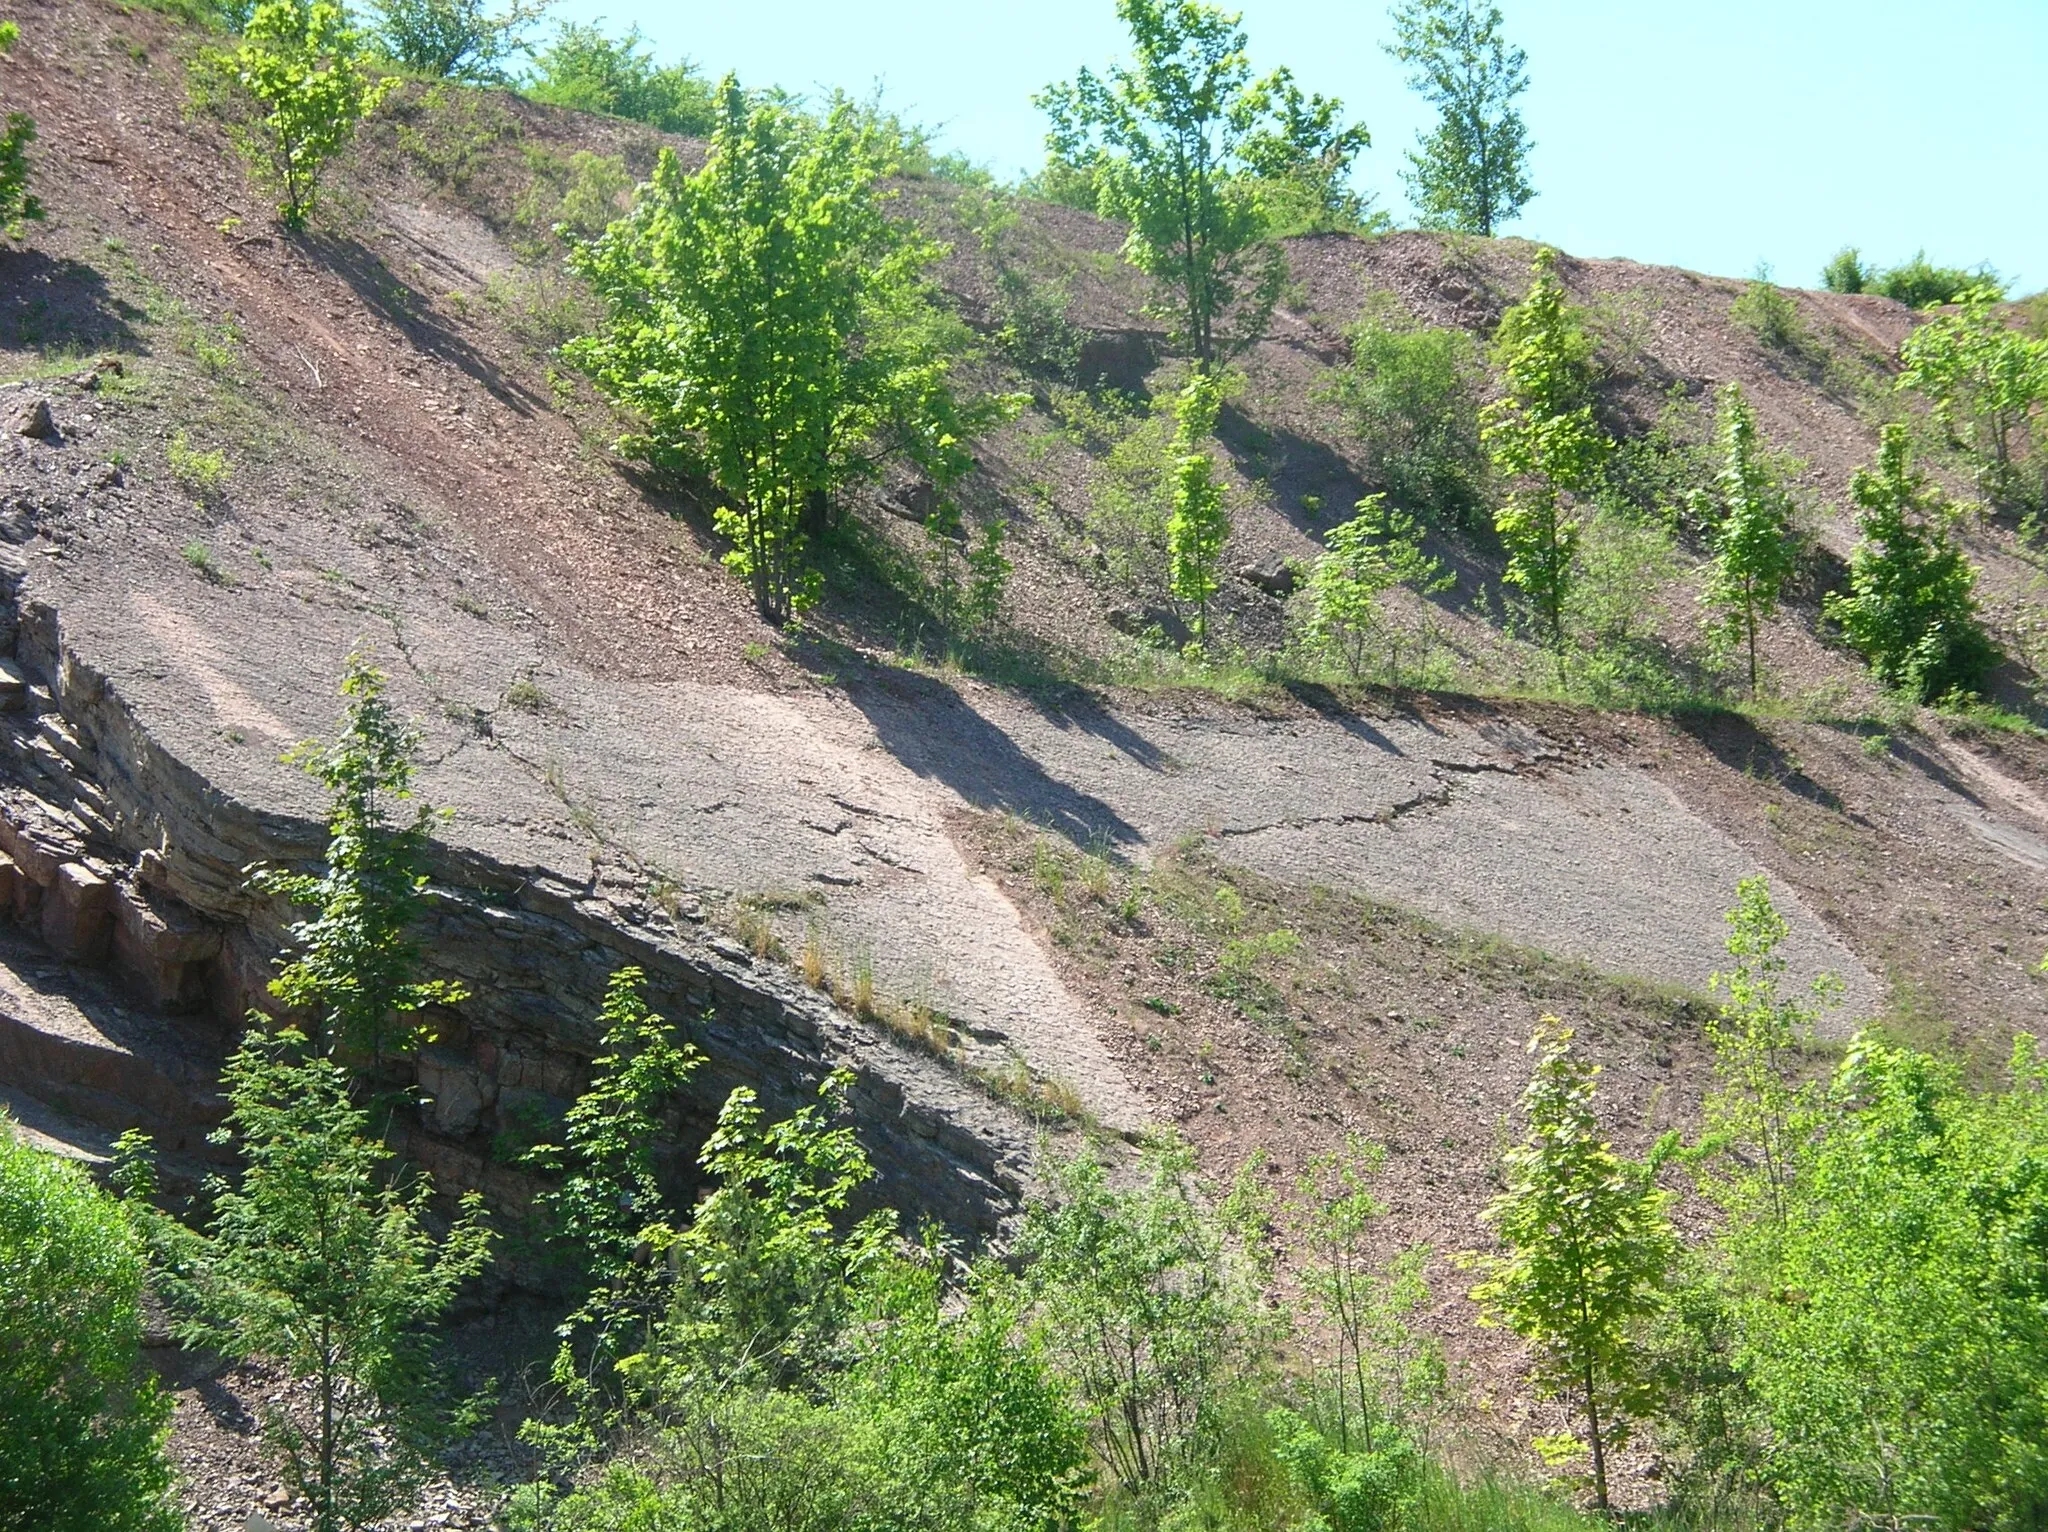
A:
[1599,1448]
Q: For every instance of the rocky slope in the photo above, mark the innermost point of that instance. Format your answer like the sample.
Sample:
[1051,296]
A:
[639,772]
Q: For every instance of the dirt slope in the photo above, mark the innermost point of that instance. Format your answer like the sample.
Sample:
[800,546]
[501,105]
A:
[599,702]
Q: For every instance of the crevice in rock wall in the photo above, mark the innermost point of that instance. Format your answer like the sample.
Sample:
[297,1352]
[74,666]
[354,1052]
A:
[125,874]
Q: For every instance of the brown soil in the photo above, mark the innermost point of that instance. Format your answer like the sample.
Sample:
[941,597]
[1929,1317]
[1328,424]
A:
[408,476]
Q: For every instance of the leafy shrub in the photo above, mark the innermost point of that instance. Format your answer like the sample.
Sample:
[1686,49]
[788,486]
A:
[586,71]
[1412,396]
[1767,312]
[580,196]
[1846,273]
[293,92]
[1888,1305]
[17,132]
[1920,284]
[1362,560]
[771,327]
[81,1435]
[1911,609]
[203,472]
[1986,382]
[455,39]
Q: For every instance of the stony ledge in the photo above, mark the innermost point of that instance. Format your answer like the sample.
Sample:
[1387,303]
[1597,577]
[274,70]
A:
[118,853]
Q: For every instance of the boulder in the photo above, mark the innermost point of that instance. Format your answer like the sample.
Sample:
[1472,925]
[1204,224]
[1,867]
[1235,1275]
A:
[1273,574]
[32,419]
[1146,622]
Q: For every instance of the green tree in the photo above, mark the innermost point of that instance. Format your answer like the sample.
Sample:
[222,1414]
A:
[355,962]
[318,1260]
[609,1192]
[17,132]
[455,39]
[83,1426]
[1363,559]
[1846,273]
[1470,173]
[1302,163]
[1588,1247]
[294,90]
[1891,1336]
[1411,393]
[586,71]
[1750,517]
[1136,1305]
[772,326]
[1200,523]
[1911,609]
[1986,380]
[1384,1375]
[1176,144]
[1545,444]
[972,1425]
[1756,1039]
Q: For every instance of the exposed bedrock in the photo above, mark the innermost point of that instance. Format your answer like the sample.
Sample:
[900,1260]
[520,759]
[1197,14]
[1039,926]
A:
[136,945]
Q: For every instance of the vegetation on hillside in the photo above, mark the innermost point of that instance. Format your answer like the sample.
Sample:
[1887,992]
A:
[17,132]
[1470,173]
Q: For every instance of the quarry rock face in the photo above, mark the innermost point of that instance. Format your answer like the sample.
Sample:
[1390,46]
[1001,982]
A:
[131,867]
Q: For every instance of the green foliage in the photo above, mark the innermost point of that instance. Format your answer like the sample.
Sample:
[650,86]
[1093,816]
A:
[319,1261]
[82,1432]
[1846,273]
[455,39]
[17,132]
[1766,312]
[205,473]
[586,71]
[1919,284]
[609,1192]
[355,962]
[1544,443]
[1588,1248]
[1302,164]
[764,1291]
[1199,523]
[770,324]
[1138,1305]
[1033,330]
[1911,609]
[1756,1038]
[1890,1324]
[1383,1377]
[293,90]
[1362,559]
[1987,382]
[1366,1490]
[1411,393]
[1177,144]
[578,197]
[1470,173]
[1749,517]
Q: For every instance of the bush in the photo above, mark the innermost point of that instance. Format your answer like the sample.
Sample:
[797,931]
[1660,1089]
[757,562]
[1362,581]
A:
[1767,313]
[455,39]
[1412,396]
[1912,608]
[1890,1317]
[586,71]
[81,1432]
[1846,273]
[293,92]
[17,132]
[1919,284]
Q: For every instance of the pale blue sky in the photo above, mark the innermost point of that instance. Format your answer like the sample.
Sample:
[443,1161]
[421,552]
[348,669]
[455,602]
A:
[1704,133]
